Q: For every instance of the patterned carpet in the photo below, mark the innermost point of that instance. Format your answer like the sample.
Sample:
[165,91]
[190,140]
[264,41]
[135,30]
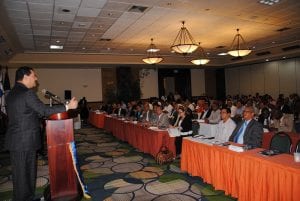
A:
[113,170]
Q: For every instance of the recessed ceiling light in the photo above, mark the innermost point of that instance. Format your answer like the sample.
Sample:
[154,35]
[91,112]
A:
[208,53]
[222,54]
[172,51]
[83,48]
[108,48]
[58,41]
[253,47]
[284,57]
[273,42]
[267,59]
[56,47]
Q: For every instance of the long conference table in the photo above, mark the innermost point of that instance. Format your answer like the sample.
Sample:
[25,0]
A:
[145,139]
[248,176]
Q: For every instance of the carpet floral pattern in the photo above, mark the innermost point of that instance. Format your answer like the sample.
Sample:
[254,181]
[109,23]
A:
[115,171]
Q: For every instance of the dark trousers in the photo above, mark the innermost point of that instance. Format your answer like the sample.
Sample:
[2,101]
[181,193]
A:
[178,143]
[23,174]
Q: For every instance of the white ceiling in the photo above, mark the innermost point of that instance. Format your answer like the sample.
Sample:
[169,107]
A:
[33,25]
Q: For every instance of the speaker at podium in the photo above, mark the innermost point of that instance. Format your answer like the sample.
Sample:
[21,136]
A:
[68,94]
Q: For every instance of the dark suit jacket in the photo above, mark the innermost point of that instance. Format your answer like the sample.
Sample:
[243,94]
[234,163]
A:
[173,117]
[123,112]
[253,133]
[24,109]
[186,124]
[151,115]
[206,116]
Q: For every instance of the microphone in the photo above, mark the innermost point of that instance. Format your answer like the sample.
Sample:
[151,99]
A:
[48,93]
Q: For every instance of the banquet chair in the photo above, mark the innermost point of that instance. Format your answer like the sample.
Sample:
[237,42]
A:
[281,142]
[298,147]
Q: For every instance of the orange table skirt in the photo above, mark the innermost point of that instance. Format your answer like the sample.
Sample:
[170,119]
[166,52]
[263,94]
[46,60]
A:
[247,176]
[147,140]
[96,120]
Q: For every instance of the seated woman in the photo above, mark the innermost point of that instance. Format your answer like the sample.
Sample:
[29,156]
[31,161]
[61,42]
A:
[185,126]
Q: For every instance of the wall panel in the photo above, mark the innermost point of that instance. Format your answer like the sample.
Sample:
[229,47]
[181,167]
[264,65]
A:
[287,76]
[198,82]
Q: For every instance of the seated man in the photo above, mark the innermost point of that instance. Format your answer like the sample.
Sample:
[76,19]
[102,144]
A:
[162,120]
[281,122]
[148,115]
[249,131]
[214,116]
[225,127]
[205,113]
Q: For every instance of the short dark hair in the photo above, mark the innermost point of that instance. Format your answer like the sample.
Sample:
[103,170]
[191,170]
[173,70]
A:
[228,110]
[20,72]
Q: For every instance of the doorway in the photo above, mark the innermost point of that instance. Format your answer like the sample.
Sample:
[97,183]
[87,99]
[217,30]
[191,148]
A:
[174,80]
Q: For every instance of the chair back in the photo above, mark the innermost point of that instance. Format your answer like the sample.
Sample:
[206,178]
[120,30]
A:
[281,142]
[298,147]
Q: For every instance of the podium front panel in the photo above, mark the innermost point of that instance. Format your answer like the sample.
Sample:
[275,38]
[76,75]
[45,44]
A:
[63,179]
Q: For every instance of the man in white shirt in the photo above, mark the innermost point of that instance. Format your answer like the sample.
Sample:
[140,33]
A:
[225,127]
[215,115]
[232,107]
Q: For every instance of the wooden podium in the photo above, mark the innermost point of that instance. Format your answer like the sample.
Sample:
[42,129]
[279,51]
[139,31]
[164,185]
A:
[63,180]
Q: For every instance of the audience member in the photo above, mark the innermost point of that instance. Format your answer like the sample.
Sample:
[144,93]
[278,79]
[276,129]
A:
[249,131]
[281,121]
[225,127]
[162,120]
[215,116]
[185,127]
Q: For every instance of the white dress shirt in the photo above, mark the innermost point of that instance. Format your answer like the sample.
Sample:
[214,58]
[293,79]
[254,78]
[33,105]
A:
[225,130]
[215,116]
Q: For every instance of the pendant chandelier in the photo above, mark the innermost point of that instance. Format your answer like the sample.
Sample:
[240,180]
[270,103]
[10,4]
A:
[152,54]
[184,42]
[202,58]
[238,47]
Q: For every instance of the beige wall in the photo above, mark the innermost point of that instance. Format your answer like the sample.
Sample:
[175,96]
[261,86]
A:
[82,82]
[271,77]
[198,82]
[149,84]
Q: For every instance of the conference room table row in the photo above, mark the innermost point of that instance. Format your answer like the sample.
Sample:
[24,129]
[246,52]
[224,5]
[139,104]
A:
[147,140]
[248,176]
[98,119]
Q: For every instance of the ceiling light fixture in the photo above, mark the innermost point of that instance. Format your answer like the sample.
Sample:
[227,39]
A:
[152,54]
[184,42]
[238,46]
[223,54]
[56,47]
[202,58]
[269,2]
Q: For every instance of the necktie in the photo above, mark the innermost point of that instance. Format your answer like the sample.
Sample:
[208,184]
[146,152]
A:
[239,138]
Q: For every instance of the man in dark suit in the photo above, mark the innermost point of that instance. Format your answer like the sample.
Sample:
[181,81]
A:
[23,135]
[148,115]
[249,131]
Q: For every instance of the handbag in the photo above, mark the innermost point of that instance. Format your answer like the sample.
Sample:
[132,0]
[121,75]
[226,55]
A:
[164,155]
